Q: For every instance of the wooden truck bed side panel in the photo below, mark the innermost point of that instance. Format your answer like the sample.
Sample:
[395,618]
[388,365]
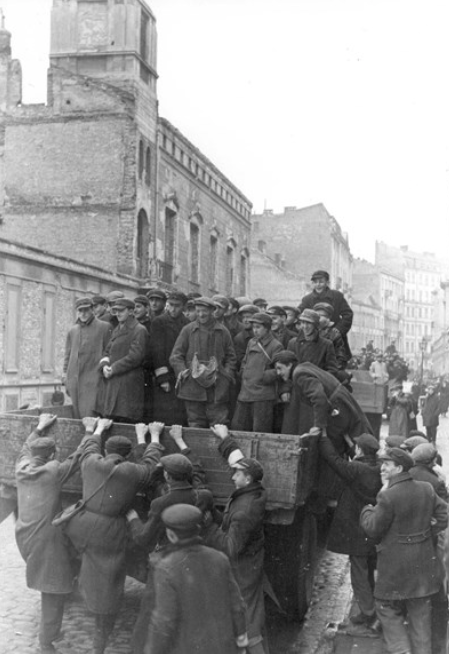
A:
[289,461]
[369,396]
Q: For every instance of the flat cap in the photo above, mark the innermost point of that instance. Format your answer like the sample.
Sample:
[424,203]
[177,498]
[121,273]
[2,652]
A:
[141,299]
[156,292]
[285,357]
[235,303]
[176,463]
[287,307]
[84,303]
[118,445]
[367,443]
[242,300]
[309,315]
[249,308]
[192,295]
[123,303]
[177,296]
[251,466]
[260,300]
[324,306]
[400,457]
[183,518]
[262,319]
[424,453]
[221,301]
[394,440]
[276,310]
[318,274]
[413,441]
[114,295]
[204,302]
[98,299]
[42,446]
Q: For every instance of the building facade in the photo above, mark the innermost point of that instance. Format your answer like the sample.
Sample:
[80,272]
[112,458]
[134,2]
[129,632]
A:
[97,181]
[306,239]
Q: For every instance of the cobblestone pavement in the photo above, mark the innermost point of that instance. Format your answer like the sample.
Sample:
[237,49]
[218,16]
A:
[19,606]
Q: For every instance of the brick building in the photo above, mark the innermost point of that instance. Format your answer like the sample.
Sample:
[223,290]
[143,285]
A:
[271,280]
[101,186]
[306,239]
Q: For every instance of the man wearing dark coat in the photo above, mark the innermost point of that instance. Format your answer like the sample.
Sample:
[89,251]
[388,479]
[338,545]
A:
[203,359]
[165,329]
[121,396]
[198,606]
[85,344]
[343,314]
[241,535]
[309,346]
[361,477]
[99,532]
[404,523]
[44,548]
[280,331]
[430,413]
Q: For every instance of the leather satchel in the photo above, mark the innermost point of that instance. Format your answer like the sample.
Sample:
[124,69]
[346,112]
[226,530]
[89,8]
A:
[68,513]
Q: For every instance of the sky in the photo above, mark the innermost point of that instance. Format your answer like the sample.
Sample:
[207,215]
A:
[343,102]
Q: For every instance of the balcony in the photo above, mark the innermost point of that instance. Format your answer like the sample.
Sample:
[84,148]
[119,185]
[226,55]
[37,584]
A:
[165,272]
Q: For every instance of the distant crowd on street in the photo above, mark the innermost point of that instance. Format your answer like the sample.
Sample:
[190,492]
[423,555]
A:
[229,365]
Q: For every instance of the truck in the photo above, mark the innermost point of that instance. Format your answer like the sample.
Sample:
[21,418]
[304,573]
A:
[289,463]
[370,397]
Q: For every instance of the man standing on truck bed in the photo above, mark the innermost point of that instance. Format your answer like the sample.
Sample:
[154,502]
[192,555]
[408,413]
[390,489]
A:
[342,315]
[44,547]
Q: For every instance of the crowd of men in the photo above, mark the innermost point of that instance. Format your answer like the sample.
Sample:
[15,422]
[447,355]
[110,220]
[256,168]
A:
[219,363]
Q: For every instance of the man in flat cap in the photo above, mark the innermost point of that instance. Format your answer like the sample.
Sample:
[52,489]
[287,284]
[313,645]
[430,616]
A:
[404,523]
[99,532]
[260,303]
[198,606]
[241,533]
[246,312]
[157,299]
[85,344]
[292,317]
[362,482]
[203,360]
[221,306]
[142,311]
[165,329]
[109,315]
[49,565]
[342,315]
[257,397]
[232,321]
[310,347]
[328,330]
[121,395]
[99,303]
[280,331]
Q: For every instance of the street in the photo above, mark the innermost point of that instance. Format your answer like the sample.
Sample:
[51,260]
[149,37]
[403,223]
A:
[19,606]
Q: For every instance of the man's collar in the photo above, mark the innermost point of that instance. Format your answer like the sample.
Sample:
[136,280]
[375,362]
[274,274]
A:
[402,476]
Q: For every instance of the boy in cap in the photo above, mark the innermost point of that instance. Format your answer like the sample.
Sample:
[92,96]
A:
[407,517]
[328,330]
[257,397]
[121,396]
[292,317]
[260,303]
[165,329]
[280,331]
[203,360]
[157,300]
[342,314]
[362,482]
[309,346]
[84,346]
[221,307]
[232,321]
[99,306]
[246,312]
[109,315]
[198,606]
[99,532]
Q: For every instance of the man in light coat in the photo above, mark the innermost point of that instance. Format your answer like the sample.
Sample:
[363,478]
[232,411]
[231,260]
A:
[85,344]
[404,523]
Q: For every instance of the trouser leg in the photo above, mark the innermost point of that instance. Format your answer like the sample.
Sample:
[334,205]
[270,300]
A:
[391,616]
[217,414]
[440,616]
[104,625]
[361,586]
[243,417]
[263,416]
[196,414]
[52,610]
[419,616]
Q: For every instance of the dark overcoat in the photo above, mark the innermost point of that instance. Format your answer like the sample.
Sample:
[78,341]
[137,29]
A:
[167,408]
[431,410]
[99,533]
[241,537]
[206,342]
[43,546]
[198,606]
[407,516]
[342,316]
[422,472]
[362,482]
[84,348]
[123,394]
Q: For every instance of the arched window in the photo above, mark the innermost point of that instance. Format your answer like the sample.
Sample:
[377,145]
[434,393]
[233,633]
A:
[142,244]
